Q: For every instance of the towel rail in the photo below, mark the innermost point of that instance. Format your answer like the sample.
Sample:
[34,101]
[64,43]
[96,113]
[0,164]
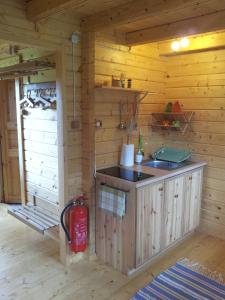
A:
[112,187]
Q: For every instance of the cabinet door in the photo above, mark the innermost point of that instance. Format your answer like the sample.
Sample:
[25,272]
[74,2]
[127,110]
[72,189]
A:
[115,236]
[174,194]
[192,203]
[150,200]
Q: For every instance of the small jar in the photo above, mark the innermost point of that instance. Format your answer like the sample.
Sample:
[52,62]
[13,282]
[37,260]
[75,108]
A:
[129,83]
[122,80]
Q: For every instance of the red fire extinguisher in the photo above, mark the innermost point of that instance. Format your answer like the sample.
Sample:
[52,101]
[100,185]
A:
[77,223]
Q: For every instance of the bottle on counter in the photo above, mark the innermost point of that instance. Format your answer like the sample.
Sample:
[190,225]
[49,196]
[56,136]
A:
[139,157]
[141,143]
[140,154]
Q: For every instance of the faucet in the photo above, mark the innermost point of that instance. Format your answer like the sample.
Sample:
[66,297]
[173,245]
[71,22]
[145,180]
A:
[154,155]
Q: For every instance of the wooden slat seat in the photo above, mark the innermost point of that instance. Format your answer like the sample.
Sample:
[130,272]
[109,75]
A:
[35,217]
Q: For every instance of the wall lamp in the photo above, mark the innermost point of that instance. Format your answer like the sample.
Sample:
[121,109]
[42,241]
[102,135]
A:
[182,43]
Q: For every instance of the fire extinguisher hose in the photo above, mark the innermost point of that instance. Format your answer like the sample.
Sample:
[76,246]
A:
[62,220]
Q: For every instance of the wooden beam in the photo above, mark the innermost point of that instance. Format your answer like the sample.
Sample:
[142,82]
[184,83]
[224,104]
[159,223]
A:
[88,136]
[134,11]
[62,149]
[199,43]
[30,37]
[191,26]
[6,50]
[30,66]
[1,177]
[4,138]
[20,142]
[39,9]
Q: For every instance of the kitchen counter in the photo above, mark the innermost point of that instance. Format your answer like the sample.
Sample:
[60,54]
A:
[158,174]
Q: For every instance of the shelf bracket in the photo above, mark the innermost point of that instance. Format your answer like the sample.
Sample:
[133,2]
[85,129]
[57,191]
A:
[139,98]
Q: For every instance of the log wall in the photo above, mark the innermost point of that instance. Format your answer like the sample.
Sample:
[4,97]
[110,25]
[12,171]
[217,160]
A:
[147,70]
[198,82]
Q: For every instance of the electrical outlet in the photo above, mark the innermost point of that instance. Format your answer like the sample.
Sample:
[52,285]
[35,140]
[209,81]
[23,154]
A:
[98,123]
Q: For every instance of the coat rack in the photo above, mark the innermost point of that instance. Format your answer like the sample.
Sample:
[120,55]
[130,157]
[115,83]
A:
[39,95]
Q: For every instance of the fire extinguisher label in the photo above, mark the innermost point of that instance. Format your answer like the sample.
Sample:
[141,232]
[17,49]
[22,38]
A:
[81,233]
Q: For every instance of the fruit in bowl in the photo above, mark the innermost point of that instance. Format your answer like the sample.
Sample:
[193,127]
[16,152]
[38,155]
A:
[176,123]
[166,123]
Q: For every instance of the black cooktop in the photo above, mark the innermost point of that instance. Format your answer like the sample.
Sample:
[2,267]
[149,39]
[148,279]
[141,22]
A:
[125,174]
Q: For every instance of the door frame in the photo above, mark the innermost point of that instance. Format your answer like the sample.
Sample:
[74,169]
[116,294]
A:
[1,175]
[60,56]
[6,154]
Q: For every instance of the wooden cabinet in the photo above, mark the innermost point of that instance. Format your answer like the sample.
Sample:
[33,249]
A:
[115,236]
[182,205]
[157,216]
[150,202]
[192,200]
[173,209]
[166,212]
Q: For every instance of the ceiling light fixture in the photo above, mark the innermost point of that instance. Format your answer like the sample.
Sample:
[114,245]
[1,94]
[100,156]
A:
[184,42]
[175,46]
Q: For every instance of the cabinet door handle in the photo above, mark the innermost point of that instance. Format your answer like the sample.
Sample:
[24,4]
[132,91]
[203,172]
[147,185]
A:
[190,178]
[161,189]
[176,196]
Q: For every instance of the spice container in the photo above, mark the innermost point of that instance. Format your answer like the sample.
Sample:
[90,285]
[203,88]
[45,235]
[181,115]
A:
[129,83]
[116,82]
[122,80]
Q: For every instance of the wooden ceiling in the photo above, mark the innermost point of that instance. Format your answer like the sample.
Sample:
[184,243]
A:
[142,21]
[37,9]
[6,50]
[174,13]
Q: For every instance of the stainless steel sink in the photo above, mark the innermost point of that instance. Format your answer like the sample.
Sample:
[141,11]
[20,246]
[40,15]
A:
[165,165]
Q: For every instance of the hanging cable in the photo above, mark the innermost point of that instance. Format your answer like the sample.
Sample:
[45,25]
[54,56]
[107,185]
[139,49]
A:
[75,41]
[74,83]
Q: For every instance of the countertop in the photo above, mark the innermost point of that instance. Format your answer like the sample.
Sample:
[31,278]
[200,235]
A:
[159,174]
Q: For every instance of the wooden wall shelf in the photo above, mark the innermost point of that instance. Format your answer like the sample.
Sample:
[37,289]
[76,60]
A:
[25,68]
[183,117]
[126,90]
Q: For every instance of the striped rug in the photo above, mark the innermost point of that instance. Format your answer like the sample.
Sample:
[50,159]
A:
[184,280]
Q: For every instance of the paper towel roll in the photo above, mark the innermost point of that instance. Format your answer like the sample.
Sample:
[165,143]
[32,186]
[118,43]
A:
[127,155]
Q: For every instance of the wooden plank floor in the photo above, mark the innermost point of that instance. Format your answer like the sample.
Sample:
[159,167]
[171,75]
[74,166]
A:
[30,268]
